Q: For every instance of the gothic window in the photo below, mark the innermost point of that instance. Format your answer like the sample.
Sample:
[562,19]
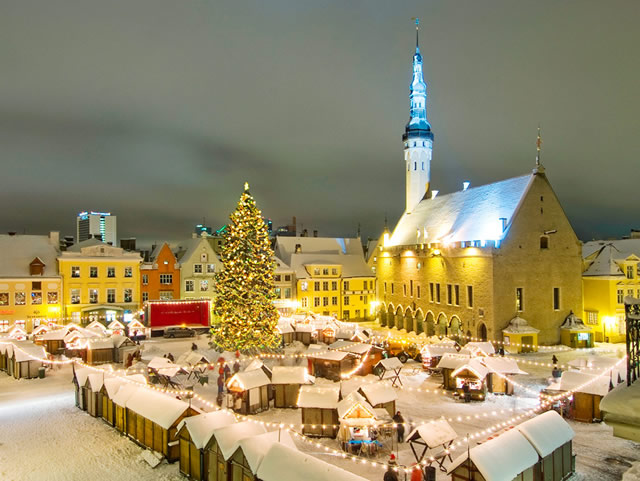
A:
[544,242]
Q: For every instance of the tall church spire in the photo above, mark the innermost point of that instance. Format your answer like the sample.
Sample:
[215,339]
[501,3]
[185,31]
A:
[417,138]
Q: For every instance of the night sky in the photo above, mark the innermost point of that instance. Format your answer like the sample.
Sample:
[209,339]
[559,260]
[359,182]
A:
[159,110]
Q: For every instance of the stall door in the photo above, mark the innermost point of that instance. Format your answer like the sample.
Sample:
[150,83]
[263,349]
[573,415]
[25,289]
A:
[280,395]
[185,465]
[291,394]
[264,398]
[194,460]
[158,438]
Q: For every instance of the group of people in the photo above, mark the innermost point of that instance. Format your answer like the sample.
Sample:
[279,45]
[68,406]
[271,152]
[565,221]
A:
[391,474]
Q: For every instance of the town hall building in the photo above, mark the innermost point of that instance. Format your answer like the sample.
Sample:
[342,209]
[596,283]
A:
[498,261]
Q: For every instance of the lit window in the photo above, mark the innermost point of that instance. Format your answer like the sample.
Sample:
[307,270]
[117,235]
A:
[4,298]
[287,293]
[204,284]
[93,272]
[19,298]
[75,271]
[189,286]
[211,268]
[75,296]
[166,295]
[36,297]
[93,296]
[128,272]
[52,297]
[128,295]
[145,279]
[111,271]
[304,286]
[197,268]
[111,296]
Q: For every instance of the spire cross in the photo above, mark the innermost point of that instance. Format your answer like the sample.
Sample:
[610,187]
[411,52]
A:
[417,30]
[538,146]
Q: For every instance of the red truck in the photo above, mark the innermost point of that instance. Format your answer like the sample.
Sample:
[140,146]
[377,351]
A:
[159,315]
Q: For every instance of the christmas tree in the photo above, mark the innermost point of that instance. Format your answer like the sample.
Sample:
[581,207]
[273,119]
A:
[245,285]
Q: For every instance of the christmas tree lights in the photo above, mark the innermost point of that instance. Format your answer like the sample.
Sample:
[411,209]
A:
[245,285]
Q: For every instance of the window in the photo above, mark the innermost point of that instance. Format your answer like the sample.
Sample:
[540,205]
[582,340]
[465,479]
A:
[197,268]
[277,278]
[304,286]
[316,302]
[325,286]
[411,288]
[93,296]
[4,326]
[438,293]
[211,268]
[325,271]
[316,286]
[392,288]
[519,299]
[316,271]
[36,286]
[166,295]
[334,272]
[365,299]
[556,298]
[287,293]
[305,302]
[75,271]
[204,257]
[449,294]
[469,296]
[431,292]
[622,324]
[204,284]
[334,285]
[357,313]
[287,278]
[19,298]
[418,292]
[277,292]
[111,271]
[592,318]
[75,296]
[189,285]
[111,296]
[346,300]
[128,295]
[346,285]
[629,272]
[345,314]
[145,296]
[145,279]
[334,301]
[325,301]
[544,242]
[36,297]
[4,298]
[404,289]
[620,296]
[385,287]
[166,278]
[456,294]
[128,271]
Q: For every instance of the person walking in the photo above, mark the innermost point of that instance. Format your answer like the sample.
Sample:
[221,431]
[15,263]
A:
[391,474]
[416,474]
[399,420]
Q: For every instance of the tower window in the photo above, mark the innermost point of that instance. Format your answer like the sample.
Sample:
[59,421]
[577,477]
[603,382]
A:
[423,166]
[415,166]
[544,242]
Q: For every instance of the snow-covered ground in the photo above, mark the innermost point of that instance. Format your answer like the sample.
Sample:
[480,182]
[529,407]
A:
[44,436]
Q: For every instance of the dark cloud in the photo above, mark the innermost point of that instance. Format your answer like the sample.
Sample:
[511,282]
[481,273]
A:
[159,110]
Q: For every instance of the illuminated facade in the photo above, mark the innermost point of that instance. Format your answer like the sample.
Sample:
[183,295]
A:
[285,289]
[469,262]
[101,282]
[160,276]
[30,286]
[99,225]
[611,273]
[198,267]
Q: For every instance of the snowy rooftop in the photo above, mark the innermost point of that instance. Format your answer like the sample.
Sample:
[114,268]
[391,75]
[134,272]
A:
[27,352]
[286,247]
[502,365]
[104,343]
[255,447]
[331,356]
[474,366]
[576,380]
[96,381]
[623,402]
[299,466]
[202,426]
[57,335]
[351,401]
[124,393]
[438,350]
[318,397]
[159,408]
[390,363]
[379,393]
[604,263]
[620,249]
[291,375]
[434,433]
[82,374]
[112,384]
[452,361]
[467,215]
[249,379]
[229,437]
[484,347]
[18,251]
[518,325]
[546,432]
[192,358]
[351,265]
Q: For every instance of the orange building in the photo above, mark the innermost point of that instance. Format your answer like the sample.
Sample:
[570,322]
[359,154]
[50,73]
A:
[160,275]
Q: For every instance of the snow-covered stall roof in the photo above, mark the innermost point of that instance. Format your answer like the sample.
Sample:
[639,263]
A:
[82,374]
[361,348]
[325,397]
[582,382]
[115,324]
[351,402]
[331,355]
[439,350]
[229,437]
[379,393]
[255,447]
[124,393]
[202,426]
[598,364]
[434,433]
[284,327]
[341,344]
[249,379]
[452,361]
[291,375]
[96,381]
[7,346]
[29,352]
[390,363]
[112,384]
[282,463]
[95,344]
[518,325]
[164,366]
[467,215]
[623,403]
[159,408]
[304,328]
[192,358]
[501,458]
[97,325]
[56,335]
[546,432]
[347,386]
[484,347]
[502,365]
[474,366]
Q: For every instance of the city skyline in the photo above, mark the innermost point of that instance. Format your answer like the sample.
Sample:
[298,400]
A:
[161,125]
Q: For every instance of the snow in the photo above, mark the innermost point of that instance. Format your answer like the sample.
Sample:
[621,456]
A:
[95,381]
[27,352]
[390,364]
[290,375]
[319,397]
[249,379]
[332,355]
[124,393]
[229,437]
[192,358]
[518,325]
[82,374]
[452,361]
[93,344]
[111,385]
[438,350]
[379,393]
[157,407]
[255,447]
[351,401]
[202,426]
[347,386]
[475,366]
[485,347]
[282,463]
[502,365]
[434,433]
[546,432]
[56,335]
[624,402]
[575,380]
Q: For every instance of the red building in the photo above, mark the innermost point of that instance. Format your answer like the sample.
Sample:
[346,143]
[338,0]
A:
[160,275]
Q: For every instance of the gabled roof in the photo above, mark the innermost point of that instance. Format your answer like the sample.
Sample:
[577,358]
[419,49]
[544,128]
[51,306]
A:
[353,265]
[229,437]
[434,433]
[286,246]
[379,393]
[18,251]
[604,263]
[622,248]
[187,249]
[255,447]
[466,215]
[249,379]
[291,375]
[161,409]
[583,382]
[325,397]
[202,426]
[546,432]
[351,402]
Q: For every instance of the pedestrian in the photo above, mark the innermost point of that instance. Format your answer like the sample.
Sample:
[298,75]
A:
[194,346]
[227,372]
[220,385]
[554,360]
[467,392]
[391,473]
[399,420]
[170,357]
[416,474]
[236,367]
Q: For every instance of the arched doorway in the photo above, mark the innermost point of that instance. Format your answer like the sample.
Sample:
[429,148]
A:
[398,318]
[382,312]
[419,322]
[390,316]
[430,325]
[482,332]
[441,325]
[408,320]
[454,327]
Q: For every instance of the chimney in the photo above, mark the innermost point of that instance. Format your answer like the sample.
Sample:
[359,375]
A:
[315,233]
[298,249]
[465,185]
[54,238]
[305,233]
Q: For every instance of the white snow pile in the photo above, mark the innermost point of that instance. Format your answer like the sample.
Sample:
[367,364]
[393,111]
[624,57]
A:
[202,426]
[633,473]
[254,448]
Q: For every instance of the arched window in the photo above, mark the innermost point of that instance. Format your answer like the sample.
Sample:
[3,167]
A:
[544,242]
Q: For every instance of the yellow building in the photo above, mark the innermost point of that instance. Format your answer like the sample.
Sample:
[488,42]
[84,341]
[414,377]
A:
[611,272]
[30,286]
[331,276]
[101,282]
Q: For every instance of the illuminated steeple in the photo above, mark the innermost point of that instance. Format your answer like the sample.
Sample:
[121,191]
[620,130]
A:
[417,138]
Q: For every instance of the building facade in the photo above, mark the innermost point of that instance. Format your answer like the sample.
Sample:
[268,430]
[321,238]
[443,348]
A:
[98,225]
[101,282]
[611,273]
[160,275]
[284,280]
[30,285]
[469,262]
[198,267]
